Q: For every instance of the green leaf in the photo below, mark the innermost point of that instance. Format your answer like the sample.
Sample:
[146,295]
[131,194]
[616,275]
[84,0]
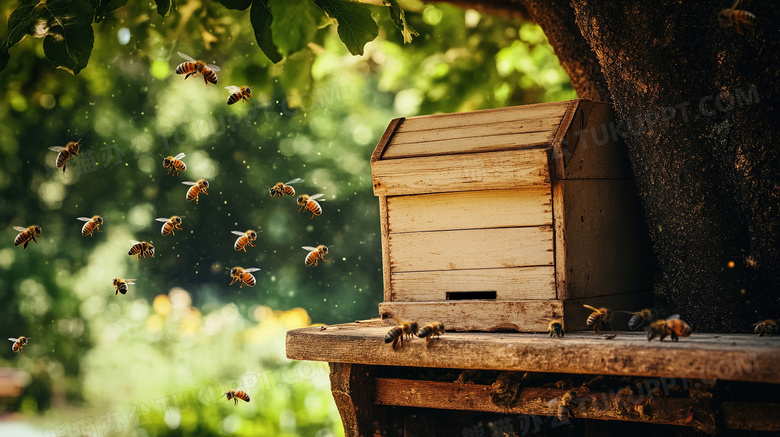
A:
[64,25]
[399,18]
[294,25]
[236,4]
[261,18]
[106,7]
[164,7]
[355,25]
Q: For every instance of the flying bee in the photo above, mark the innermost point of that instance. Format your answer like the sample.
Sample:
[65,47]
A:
[768,327]
[19,343]
[565,404]
[192,67]
[141,248]
[282,188]
[555,327]
[642,318]
[121,285]
[201,186]
[27,234]
[243,275]
[169,224]
[315,254]
[91,225]
[600,317]
[245,239]
[310,202]
[431,330]
[397,333]
[235,395]
[70,149]
[672,326]
[735,17]
[239,93]
[174,164]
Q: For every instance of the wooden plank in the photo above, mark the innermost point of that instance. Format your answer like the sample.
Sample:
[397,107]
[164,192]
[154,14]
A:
[385,230]
[597,151]
[518,283]
[559,235]
[604,221]
[556,147]
[738,357]
[474,172]
[470,209]
[542,127]
[575,315]
[380,147]
[757,416]
[471,249]
[478,142]
[545,111]
[353,391]
[472,315]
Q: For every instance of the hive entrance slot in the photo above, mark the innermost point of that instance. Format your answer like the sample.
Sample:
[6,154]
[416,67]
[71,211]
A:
[471,295]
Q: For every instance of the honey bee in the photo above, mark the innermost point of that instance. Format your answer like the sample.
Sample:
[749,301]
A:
[642,318]
[235,395]
[244,239]
[315,254]
[192,67]
[174,164]
[19,343]
[121,285]
[239,93]
[201,186]
[91,225]
[555,328]
[27,234]
[282,188]
[600,317]
[309,202]
[70,149]
[565,404]
[430,330]
[735,17]
[768,327]
[169,224]
[141,248]
[243,275]
[397,333]
[672,326]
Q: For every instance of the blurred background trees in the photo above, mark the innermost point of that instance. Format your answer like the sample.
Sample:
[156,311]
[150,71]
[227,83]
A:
[316,114]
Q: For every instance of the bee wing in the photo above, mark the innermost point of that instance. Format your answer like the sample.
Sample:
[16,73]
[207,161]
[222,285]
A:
[294,181]
[56,149]
[185,56]
[134,242]
[213,67]
[14,339]
[179,156]
[189,183]
[309,248]
[84,219]
[162,219]
[253,269]
[130,281]
[232,89]
[317,196]
[673,316]
[238,233]
[20,228]
[591,308]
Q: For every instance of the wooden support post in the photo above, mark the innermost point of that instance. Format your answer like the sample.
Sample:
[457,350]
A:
[352,386]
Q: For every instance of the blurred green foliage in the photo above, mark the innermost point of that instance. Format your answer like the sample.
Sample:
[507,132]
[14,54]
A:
[317,115]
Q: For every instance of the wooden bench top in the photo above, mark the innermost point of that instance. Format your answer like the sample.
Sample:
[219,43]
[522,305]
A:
[737,357]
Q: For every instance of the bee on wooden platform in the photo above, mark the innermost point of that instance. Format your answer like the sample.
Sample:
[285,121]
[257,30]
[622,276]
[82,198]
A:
[244,276]
[245,239]
[26,235]
[141,248]
[235,395]
[174,164]
[281,188]
[565,404]
[239,93]
[598,318]
[194,67]
[92,224]
[201,186]
[121,285]
[71,149]
[768,327]
[310,202]
[555,327]
[431,330]
[734,17]
[396,334]
[169,224]
[19,343]
[672,326]
[642,318]
[315,254]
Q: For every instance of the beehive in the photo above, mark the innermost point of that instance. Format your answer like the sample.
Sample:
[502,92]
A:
[497,219]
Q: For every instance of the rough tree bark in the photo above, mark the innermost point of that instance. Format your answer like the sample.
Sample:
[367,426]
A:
[700,113]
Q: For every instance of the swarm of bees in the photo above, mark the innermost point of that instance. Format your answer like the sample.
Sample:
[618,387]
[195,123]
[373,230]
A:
[734,17]
[19,343]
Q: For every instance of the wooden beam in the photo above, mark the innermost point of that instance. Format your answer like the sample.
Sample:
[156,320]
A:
[352,388]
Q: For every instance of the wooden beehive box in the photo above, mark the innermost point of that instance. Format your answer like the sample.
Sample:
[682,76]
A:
[495,219]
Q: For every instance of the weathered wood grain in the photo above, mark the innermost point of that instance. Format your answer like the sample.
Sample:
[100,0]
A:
[472,172]
[353,391]
[471,315]
[517,283]
[384,221]
[470,209]
[478,143]
[380,148]
[738,357]
[561,134]
[471,249]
